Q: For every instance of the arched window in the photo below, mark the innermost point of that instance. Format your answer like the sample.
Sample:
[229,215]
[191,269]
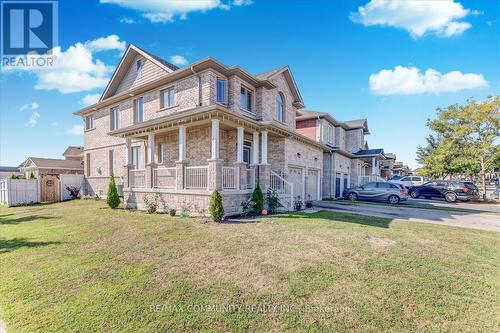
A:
[280,107]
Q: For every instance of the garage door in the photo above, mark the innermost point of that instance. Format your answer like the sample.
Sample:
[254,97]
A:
[295,177]
[312,184]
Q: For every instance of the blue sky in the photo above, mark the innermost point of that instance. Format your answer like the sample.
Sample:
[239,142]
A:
[392,63]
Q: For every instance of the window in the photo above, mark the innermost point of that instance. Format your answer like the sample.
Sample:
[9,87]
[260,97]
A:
[222,91]
[167,98]
[111,161]
[384,185]
[115,118]
[89,122]
[246,97]
[370,185]
[161,153]
[329,134]
[405,179]
[280,107]
[138,110]
[138,68]
[87,164]
[136,157]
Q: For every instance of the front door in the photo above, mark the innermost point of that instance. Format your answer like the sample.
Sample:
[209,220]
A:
[337,185]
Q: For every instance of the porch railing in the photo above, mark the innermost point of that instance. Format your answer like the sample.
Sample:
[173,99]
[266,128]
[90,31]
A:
[196,177]
[137,178]
[164,177]
[230,178]
[282,188]
[250,179]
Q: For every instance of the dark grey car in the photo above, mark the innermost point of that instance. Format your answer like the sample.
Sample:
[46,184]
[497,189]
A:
[377,191]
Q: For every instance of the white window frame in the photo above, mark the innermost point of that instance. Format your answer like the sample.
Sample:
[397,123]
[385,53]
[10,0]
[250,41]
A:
[89,122]
[170,99]
[161,153]
[137,119]
[225,92]
[245,106]
[114,118]
[280,111]
[135,157]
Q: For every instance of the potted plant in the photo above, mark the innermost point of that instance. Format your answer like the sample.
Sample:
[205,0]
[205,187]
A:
[309,203]
[172,212]
[297,204]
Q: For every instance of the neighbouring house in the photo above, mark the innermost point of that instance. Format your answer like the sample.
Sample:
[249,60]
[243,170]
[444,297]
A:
[183,132]
[387,166]
[347,159]
[71,164]
[401,170]
[7,172]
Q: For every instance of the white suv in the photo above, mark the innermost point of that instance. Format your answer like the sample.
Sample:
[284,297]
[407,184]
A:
[409,181]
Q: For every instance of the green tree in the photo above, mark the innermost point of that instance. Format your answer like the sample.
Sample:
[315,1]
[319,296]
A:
[216,208]
[258,200]
[113,199]
[466,140]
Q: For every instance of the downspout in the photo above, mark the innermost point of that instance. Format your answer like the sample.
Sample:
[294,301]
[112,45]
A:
[199,85]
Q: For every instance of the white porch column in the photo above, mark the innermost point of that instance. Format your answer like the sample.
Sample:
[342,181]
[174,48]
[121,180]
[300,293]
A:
[182,143]
[373,166]
[215,139]
[264,148]
[239,145]
[128,158]
[255,147]
[151,147]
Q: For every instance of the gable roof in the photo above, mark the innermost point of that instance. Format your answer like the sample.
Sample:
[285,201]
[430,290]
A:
[287,73]
[73,151]
[124,64]
[53,163]
[348,125]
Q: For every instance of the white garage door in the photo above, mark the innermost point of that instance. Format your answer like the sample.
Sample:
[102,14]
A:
[295,177]
[312,184]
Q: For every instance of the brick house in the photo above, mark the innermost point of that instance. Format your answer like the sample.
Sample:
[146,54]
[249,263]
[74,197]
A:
[71,164]
[347,159]
[182,132]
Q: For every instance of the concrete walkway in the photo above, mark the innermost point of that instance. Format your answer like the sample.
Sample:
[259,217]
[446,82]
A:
[476,220]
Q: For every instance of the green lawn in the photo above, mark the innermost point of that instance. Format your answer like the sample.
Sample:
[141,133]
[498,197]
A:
[80,266]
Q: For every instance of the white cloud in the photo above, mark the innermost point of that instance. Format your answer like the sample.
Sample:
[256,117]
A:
[409,80]
[90,99]
[75,130]
[167,11]
[75,69]
[54,124]
[33,119]
[128,20]
[178,60]
[417,17]
[29,106]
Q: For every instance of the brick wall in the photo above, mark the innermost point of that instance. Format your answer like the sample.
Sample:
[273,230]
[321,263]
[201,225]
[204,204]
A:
[308,128]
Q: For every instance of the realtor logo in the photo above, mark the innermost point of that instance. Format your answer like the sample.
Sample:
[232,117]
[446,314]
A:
[28,26]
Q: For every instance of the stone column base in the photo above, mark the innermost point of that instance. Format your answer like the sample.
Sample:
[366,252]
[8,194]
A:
[149,175]
[214,174]
[180,168]
[241,168]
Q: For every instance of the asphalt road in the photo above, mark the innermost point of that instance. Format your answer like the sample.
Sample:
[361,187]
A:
[475,219]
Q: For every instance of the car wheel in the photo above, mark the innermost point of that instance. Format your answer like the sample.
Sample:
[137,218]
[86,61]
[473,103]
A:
[414,194]
[393,199]
[353,196]
[450,197]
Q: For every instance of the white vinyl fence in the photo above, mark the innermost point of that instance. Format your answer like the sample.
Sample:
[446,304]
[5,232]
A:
[19,191]
[70,181]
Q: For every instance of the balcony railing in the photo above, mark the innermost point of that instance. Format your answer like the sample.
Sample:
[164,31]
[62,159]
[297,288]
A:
[137,178]
[196,177]
[164,178]
[230,178]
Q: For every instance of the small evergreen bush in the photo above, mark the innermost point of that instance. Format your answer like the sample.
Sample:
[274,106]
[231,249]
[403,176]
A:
[272,201]
[113,198]
[258,200]
[216,208]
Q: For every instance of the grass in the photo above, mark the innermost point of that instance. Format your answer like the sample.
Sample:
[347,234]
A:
[80,266]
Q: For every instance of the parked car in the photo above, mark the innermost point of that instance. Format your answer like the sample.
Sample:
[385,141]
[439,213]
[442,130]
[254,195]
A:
[378,191]
[450,190]
[409,181]
[395,177]
[471,186]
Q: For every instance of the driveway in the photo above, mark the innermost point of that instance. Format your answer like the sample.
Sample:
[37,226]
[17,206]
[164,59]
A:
[485,207]
[469,219]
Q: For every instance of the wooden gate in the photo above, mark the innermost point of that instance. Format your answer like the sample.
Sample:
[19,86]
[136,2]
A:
[50,188]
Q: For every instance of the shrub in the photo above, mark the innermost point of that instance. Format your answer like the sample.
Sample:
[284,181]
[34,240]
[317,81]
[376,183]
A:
[32,175]
[247,207]
[258,200]
[113,199]
[13,176]
[272,201]
[216,208]
[74,191]
[151,203]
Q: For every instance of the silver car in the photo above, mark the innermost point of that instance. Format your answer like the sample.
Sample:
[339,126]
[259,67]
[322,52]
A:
[377,191]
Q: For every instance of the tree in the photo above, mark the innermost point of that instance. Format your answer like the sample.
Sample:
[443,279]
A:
[424,151]
[258,199]
[113,199]
[466,136]
[216,207]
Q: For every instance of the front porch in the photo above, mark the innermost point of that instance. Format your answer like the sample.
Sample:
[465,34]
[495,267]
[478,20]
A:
[185,162]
